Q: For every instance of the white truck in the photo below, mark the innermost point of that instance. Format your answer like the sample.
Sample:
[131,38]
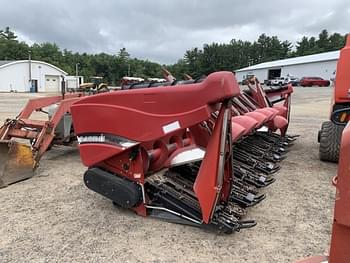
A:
[279,81]
[284,80]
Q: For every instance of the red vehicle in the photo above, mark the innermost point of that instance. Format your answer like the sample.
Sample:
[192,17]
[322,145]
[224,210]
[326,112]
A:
[339,248]
[314,81]
[330,134]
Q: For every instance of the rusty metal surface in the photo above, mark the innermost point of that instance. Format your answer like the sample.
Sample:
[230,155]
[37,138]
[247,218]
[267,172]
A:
[16,162]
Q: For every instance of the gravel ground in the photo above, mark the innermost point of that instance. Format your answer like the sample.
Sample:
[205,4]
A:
[53,217]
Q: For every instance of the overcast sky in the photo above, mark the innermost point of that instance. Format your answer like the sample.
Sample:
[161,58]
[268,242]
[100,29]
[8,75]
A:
[162,30]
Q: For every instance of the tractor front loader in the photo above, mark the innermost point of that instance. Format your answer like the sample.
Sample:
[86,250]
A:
[329,136]
[24,140]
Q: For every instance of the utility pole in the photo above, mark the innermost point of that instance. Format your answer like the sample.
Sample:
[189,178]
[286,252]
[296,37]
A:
[30,69]
[76,74]
[128,70]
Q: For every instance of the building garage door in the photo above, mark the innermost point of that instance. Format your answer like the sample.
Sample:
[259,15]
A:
[52,83]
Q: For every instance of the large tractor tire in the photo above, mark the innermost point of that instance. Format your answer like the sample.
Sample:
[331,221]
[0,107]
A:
[329,138]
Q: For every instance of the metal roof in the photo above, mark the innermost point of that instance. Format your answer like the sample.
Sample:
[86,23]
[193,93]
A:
[8,63]
[326,56]
[4,62]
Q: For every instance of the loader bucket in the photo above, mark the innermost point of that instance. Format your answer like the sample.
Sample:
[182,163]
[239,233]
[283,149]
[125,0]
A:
[16,162]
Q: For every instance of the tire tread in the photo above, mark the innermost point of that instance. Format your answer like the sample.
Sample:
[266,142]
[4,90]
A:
[330,138]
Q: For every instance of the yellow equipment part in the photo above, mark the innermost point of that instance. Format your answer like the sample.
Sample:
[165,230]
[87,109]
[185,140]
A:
[90,85]
[16,162]
[87,85]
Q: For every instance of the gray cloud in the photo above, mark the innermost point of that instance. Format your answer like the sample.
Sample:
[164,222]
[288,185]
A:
[162,30]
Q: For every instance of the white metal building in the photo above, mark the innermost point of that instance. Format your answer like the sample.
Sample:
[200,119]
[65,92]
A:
[26,76]
[318,65]
[73,82]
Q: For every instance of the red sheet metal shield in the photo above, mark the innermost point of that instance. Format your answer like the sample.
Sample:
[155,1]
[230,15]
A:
[340,251]
[210,176]
[341,91]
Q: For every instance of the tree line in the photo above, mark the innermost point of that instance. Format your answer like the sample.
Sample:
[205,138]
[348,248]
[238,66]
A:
[112,67]
[239,54]
[196,61]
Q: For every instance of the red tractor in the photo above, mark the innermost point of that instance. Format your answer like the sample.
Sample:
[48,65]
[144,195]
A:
[329,136]
[339,249]
[335,138]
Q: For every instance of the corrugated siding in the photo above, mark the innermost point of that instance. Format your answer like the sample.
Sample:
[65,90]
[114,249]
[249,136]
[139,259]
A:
[326,56]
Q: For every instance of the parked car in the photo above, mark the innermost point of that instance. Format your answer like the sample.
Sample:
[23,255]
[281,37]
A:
[311,81]
[293,81]
[283,81]
[279,81]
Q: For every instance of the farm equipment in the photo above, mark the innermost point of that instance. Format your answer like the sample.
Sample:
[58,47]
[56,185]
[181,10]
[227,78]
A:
[329,136]
[339,249]
[23,140]
[193,152]
[96,85]
[127,81]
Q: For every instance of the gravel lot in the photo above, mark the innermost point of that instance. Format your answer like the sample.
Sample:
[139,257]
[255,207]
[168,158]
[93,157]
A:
[53,217]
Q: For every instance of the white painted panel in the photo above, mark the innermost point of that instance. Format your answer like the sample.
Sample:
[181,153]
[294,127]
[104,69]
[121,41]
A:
[52,83]
[261,74]
[16,76]
[189,156]
[323,69]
